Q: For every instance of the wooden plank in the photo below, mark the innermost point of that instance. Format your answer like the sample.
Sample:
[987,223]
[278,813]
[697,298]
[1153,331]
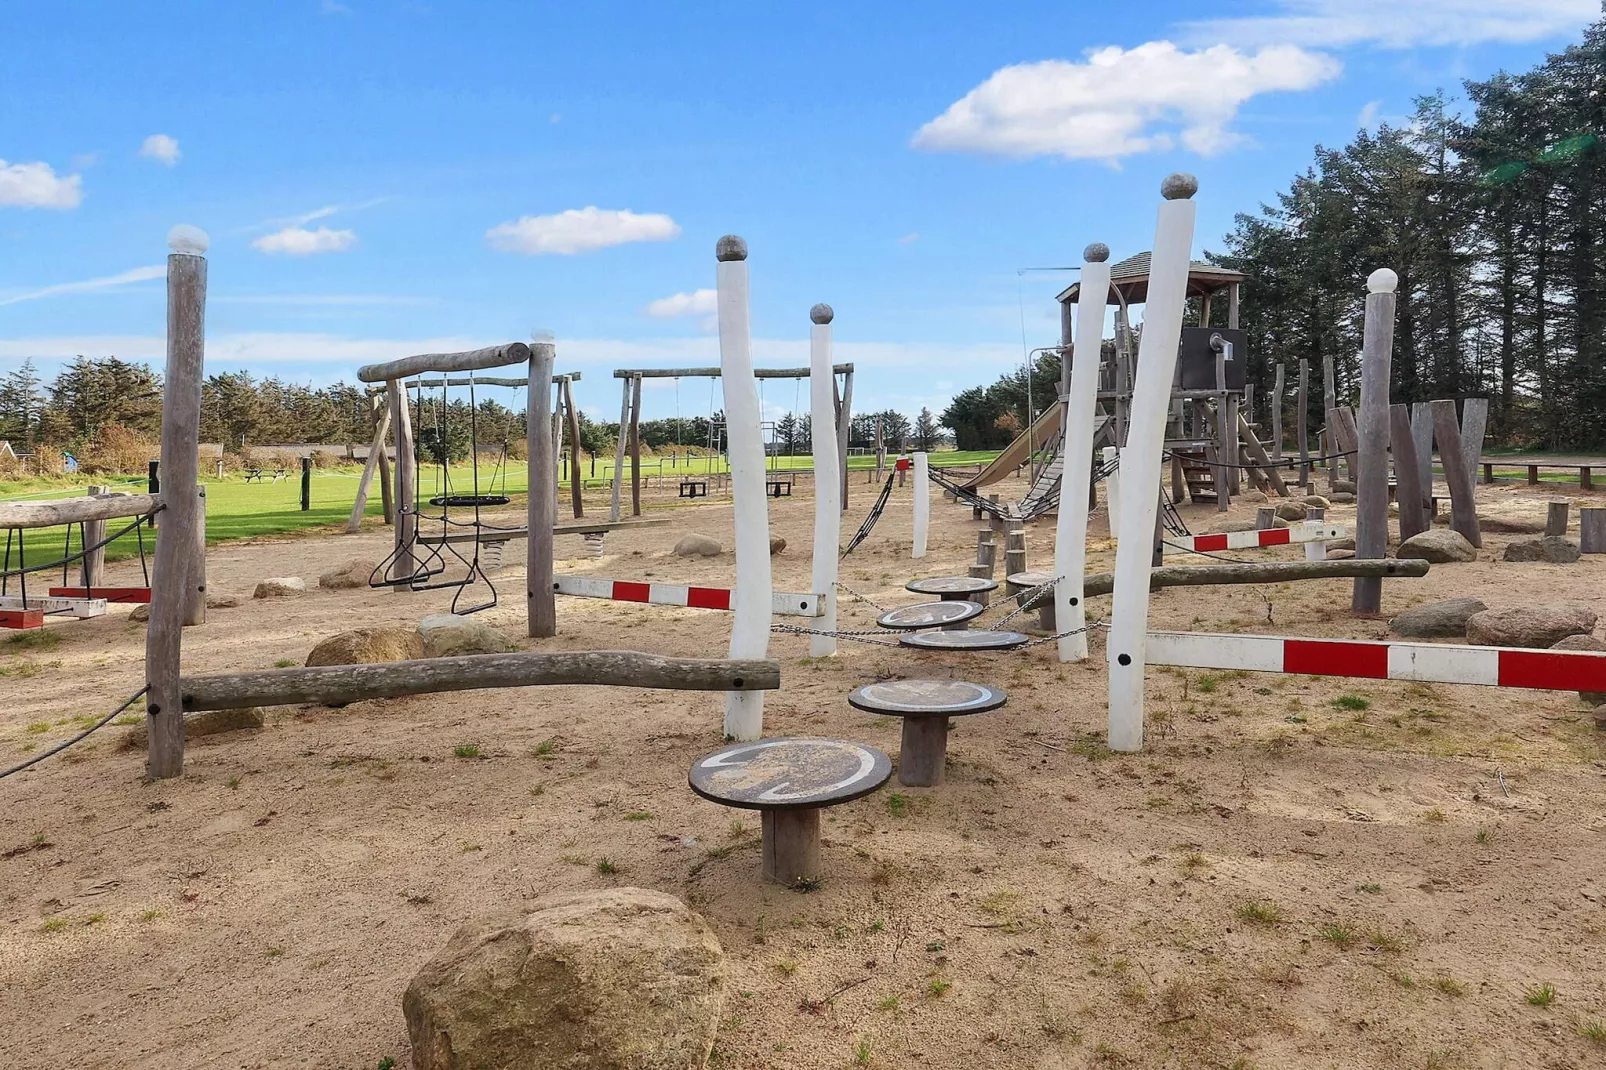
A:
[714,373]
[1372,438]
[1474,419]
[1412,498]
[77,607]
[1463,504]
[446,363]
[541,510]
[1592,529]
[1422,440]
[1257,453]
[1101,583]
[49,514]
[338,685]
[22,618]
[401,422]
[181,423]
[120,595]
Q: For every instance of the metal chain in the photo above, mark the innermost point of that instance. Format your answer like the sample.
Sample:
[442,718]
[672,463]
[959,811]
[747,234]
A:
[1066,634]
[879,608]
[856,637]
[1031,597]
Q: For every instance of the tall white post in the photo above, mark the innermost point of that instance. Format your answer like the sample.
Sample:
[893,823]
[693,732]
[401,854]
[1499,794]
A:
[922,498]
[827,478]
[753,601]
[1112,489]
[1070,536]
[1140,461]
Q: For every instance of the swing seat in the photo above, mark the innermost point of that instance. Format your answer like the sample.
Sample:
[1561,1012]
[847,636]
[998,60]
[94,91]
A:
[468,500]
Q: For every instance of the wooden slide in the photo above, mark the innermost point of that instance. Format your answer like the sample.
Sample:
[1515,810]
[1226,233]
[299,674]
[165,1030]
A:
[1045,431]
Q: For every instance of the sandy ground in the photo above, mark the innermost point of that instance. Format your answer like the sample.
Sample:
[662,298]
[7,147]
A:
[1275,882]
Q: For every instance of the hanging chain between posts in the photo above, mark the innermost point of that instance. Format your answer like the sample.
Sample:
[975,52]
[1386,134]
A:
[855,637]
[878,607]
[1089,626]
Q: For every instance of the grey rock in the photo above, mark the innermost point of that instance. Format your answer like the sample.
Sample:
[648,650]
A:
[1552,548]
[447,635]
[279,587]
[1440,546]
[698,546]
[1531,627]
[1437,620]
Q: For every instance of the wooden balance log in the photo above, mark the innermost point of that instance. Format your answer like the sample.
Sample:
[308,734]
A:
[925,706]
[789,781]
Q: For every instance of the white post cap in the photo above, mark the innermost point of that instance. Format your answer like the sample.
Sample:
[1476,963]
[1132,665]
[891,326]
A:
[1382,281]
[187,239]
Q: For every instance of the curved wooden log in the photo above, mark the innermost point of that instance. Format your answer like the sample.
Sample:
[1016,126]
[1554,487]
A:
[337,685]
[446,363]
[714,373]
[1265,572]
[75,510]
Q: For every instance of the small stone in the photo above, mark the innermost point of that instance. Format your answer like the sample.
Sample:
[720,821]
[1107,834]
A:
[353,573]
[777,544]
[1343,486]
[603,980]
[199,725]
[698,546]
[1341,497]
[1293,510]
[446,635]
[1530,627]
[1346,543]
[1340,555]
[1437,620]
[368,646]
[1316,500]
[1256,496]
[279,587]
[1589,643]
[1440,546]
[1552,548]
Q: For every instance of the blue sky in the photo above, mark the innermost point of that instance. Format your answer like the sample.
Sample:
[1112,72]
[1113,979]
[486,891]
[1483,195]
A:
[383,177]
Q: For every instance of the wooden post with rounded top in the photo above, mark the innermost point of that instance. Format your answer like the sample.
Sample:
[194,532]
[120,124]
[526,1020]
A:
[827,478]
[1372,437]
[1076,487]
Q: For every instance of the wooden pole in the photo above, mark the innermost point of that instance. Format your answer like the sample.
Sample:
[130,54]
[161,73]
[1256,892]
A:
[1232,306]
[1277,416]
[181,426]
[375,453]
[542,500]
[576,491]
[195,593]
[1474,418]
[1463,504]
[1302,423]
[1422,441]
[844,425]
[1408,493]
[401,424]
[1372,466]
[619,449]
[473,360]
[306,484]
[822,440]
[1329,404]
[1592,529]
[1102,583]
[1556,517]
[51,514]
[1140,460]
[922,505]
[1076,478]
[1257,453]
[92,569]
[635,446]
[752,601]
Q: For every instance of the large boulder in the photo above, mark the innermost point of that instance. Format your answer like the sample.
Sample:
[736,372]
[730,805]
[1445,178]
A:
[1222,527]
[279,587]
[1292,510]
[1316,500]
[353,573]
[622,979]
[1551,548]
[1342,497]
[1439,545]
[1343,554]
[1343,486]
[1534,627]
[445,635]
[199,726]
[1589,643]
[698,546]
[1437,620]
[777,544]
[368,646]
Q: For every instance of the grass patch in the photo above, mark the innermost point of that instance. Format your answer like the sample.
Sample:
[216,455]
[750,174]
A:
[1352,702]
[639,815]
[1594,1031]
[1340,936]
[1449,985]
[545,749]
[54,925]
[887,1003]
[35,639]
[285,663]
[1540,995]
[1370,888]
[1261,913]
[936,988]
[606,867]
[898,804]
[466,750]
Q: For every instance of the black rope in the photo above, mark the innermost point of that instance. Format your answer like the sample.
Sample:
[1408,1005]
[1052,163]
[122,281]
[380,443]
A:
[24,568]
[875,514]
[58,748]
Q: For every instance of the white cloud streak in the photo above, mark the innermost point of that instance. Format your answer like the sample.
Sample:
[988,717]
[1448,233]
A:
[1390,24]
[161,148]
[36,185]
[696,303]
[143,274]
[1120,102]
[299,241]
[580,230]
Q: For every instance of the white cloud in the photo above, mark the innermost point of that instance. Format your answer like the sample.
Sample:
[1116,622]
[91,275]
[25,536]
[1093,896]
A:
[161,148]
[36,185]
[317,300]
[1390,24]
[333,7]
[909,238]
[579,230]
[144,274]
[299,241]
[1367,119]
[1120,101]
[696,303]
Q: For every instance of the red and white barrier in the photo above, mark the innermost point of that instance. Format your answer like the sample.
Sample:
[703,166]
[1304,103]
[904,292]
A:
[674,594]
[1252,540]
[1550,670]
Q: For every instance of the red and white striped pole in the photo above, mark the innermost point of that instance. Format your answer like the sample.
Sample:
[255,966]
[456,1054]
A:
[1140,460]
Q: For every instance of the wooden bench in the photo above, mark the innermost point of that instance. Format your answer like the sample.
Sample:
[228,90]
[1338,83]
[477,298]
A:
[1585,467]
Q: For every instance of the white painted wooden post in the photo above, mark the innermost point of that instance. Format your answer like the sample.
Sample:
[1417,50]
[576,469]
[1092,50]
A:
[753,602]
[1070,536]
[922,500]
[1112,489]
[827,478]
[1140,461]
[175,544]
[1371,461]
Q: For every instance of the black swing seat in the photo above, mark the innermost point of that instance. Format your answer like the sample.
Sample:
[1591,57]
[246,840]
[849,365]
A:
[466,500]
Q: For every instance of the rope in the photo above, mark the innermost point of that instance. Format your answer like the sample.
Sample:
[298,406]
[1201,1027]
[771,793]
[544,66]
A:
[875,514]
[135,526]
[58,748]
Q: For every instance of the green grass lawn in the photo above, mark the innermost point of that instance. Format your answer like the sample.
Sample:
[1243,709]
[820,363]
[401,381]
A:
[239,510]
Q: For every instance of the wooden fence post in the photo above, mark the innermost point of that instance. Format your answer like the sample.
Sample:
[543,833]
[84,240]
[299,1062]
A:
[541,500]
[306,484]
[1463,503]
[93,565]
[1592,529]
[181,425]
[576,490]
[1409,493]
[401,425]
[635,446]
[1372,437]
[1556,518]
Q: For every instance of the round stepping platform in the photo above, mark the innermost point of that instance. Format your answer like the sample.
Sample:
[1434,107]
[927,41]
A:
[789,780]
[1019,583]
[981,640]
[951,588]
[925,706]
[929,615]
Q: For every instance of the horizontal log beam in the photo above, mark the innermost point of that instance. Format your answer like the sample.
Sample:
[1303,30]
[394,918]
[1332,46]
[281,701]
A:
[508,534]
[337,685]
[1264,572]
[478,380]
[714,373]
[447,363]
[76,510]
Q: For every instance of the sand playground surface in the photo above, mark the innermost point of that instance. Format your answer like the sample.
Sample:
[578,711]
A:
[1295,872]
